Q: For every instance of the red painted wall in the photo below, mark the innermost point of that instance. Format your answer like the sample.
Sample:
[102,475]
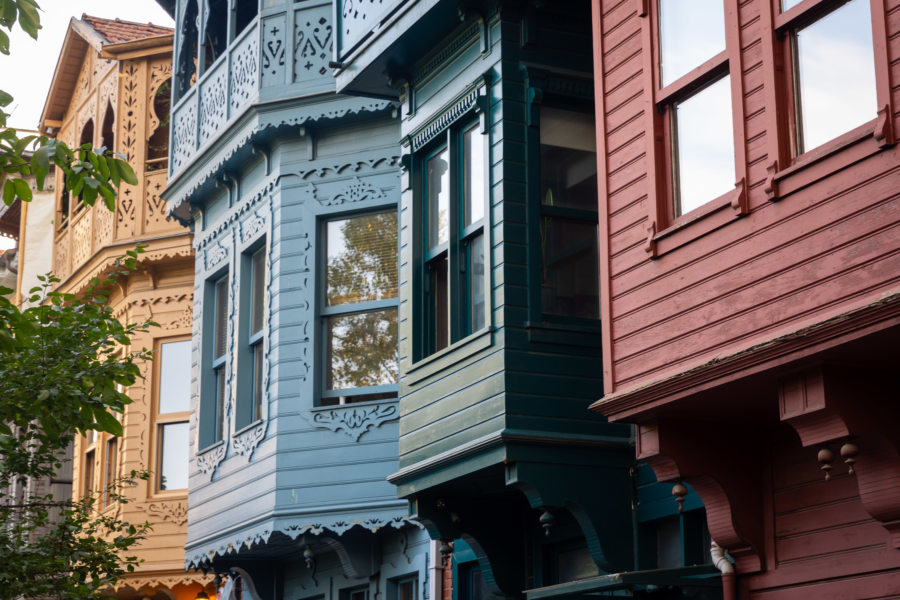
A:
[829,242]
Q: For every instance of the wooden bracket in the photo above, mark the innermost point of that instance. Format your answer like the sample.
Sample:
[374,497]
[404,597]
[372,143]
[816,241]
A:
[884,127]
[650,245]
[643,7]
[771,186]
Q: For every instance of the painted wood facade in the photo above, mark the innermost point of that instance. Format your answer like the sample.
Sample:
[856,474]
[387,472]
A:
[288,496]
[752,340]
[497,445]
[106,93]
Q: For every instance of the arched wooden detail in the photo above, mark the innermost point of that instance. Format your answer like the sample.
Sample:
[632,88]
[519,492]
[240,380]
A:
[108,127]
[851,416]
[721,467]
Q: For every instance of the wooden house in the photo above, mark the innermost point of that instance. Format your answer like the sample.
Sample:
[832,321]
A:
[292,192]
[750,284]
[111,88]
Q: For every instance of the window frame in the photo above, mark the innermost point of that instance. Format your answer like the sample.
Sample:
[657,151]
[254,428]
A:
[117,466]
[666,232]
[326,312]
[212,431]
[460,236]
[160,420]
[251,407]
[780,57]
[538,211]
[91,449]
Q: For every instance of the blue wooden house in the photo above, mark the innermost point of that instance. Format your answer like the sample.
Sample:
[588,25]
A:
[292,192]
[499,320]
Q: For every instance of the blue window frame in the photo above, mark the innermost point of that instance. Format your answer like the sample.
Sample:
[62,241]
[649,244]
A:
[251,320]
[215,354]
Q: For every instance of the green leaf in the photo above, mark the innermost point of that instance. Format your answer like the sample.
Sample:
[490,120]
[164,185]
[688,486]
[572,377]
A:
[4,43]
[107,422]
[126,171]
[23,190]
[109,196]
[5,99]
[114,172]
[9,192]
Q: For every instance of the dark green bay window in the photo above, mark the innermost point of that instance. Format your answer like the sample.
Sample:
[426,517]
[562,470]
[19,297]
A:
[453,278]
[359,311]
[568,209]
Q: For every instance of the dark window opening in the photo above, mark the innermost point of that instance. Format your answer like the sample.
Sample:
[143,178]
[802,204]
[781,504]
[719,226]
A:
[186,71]
[216,31]
[108,134]
[158,143]
[244,13]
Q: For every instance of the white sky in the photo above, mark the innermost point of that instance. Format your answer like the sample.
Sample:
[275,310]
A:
[27,71]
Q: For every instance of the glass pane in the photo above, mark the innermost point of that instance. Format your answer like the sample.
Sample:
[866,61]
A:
[362,259]
[407,590]
[221,332]
[109,476]
[362,349]
[836,68]
[690,33]
[439,198]
[173,456]
[705,146]
[476,283]
[220,403]
[258,268]
[569,283]
[440,303]
[568,159]
[88,477]
[257,381]
[473,177]
[788,4]
[175,377]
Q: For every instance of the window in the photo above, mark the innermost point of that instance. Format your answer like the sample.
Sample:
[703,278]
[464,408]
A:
[250,392]
[173,410]
[361,593]
[107,133]
[212,408]
[453,189]
[88,485]
[695,95]
[158,142]
[110,469]
[87,137]
[406,589]
[832,69]
[359,313]
[568,223]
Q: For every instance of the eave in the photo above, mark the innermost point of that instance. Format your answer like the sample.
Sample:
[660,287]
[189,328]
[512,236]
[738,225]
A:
[160,44]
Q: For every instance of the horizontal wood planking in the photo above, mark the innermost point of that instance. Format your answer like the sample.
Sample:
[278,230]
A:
[667,314]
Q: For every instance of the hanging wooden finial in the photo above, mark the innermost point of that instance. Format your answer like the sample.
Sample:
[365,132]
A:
[679,490]
[848,453]
[825,458]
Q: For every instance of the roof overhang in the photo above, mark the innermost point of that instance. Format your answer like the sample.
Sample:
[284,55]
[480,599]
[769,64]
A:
[159,44]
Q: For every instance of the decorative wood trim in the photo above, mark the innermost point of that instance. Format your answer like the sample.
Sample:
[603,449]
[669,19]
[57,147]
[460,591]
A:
[353,419]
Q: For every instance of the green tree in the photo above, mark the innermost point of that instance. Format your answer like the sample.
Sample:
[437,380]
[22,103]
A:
[89,173]
[61,365]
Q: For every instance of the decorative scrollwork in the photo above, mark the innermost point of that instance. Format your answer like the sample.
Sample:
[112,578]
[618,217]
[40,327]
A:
[176,512]
[215,255]
[313,45]
[245,443]
[358,191]
[244,71]
[209,460]
[252,226]
[355,420]
[212,104]
[184,134]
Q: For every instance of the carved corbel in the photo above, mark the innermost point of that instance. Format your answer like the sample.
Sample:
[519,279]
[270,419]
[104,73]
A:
[857,409]
[714,461]
[884,127]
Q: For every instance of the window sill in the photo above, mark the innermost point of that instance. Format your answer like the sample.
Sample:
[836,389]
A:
[210,448]
[246,428]
[449,356]
[825,160]
[702,220]
[351,405]
[587,333]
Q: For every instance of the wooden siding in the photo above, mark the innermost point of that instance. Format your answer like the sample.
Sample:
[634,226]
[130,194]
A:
[525,374]
[300,469]
[829,244]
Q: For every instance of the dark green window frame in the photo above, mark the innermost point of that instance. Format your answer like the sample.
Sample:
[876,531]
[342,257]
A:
[452,271]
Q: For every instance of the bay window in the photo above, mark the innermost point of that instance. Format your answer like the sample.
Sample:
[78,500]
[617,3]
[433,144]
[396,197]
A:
[172,412]
[212,400]
[252,313]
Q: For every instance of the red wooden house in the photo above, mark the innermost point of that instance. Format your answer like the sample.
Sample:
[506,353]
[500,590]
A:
[750,274]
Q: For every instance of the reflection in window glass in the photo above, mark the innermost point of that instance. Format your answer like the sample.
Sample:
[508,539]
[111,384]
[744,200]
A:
[220,403]
[221,317]
[439,198]
[569,283]
[704,165]
[440,311]
[476,283]
[836,74]
[473,175]
[690,33]
[362,259]
[788,4]
[406,590]
[175,377]
[88,477]
[568,159]
[362,349]
[173,456]
[110,468]
[257,291]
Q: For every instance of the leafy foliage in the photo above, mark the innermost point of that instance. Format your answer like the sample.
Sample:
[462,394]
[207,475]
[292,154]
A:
[91,173]
[61,364]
